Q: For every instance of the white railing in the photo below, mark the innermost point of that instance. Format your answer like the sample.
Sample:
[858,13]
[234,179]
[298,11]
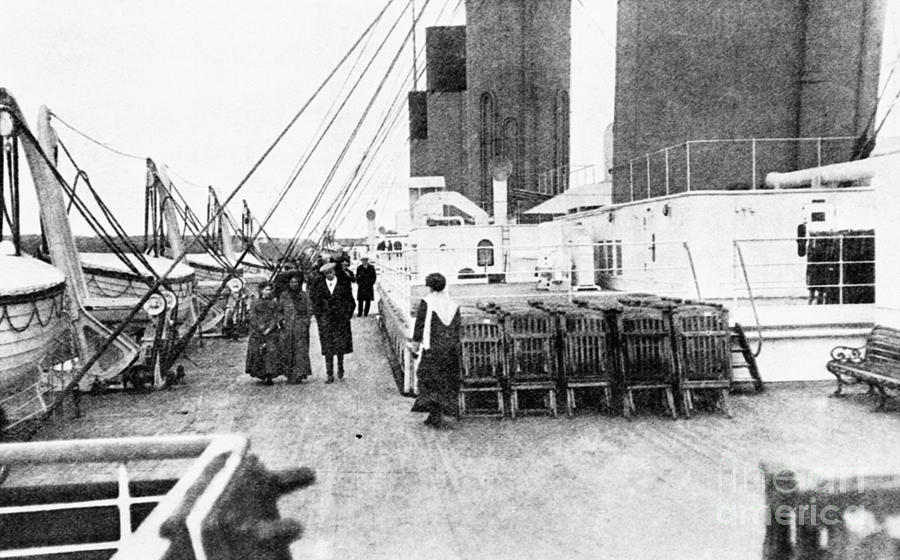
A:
[117,453]
[739,164]
[538,271]
[395,278]
[556,180]
[819,269]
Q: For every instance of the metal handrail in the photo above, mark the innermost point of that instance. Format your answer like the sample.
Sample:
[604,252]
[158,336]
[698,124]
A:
[687,250]
[645,159]
[759,337]
[147,538]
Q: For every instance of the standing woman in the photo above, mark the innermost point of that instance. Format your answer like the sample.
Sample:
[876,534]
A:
[436,335]
[295,334]
[263,355]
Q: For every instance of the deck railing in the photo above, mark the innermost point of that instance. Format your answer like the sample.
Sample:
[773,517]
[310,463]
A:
[737,164]
[818,269]
[556,180]
[538,271]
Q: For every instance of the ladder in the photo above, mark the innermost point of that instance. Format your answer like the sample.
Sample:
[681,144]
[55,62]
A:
[739,344]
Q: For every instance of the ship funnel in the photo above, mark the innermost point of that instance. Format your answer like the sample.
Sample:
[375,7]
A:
[501,168]
[370,225]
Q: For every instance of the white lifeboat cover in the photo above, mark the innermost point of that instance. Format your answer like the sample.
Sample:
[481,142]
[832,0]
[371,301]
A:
[110,262]
[25,275]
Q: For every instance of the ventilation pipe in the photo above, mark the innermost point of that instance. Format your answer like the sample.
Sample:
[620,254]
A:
[370,231]
[501,168]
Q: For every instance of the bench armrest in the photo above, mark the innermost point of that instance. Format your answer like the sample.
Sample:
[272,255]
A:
[847,354]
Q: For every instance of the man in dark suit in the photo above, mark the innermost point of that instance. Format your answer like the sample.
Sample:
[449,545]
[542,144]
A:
[365,286]
[333,305]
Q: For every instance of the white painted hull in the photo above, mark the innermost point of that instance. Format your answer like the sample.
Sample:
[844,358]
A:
[28,329]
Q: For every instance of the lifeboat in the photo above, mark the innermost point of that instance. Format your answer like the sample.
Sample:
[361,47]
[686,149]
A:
[32,319]
[113,287]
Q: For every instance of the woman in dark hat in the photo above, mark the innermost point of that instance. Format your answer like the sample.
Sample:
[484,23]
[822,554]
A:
[263,348]
[333,305]
[436,336]
[295,334]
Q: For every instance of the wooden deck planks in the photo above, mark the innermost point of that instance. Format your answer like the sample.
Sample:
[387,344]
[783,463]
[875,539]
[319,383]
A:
[592,486]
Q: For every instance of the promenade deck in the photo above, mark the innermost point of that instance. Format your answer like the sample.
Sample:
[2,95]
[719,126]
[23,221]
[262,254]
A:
[589,487]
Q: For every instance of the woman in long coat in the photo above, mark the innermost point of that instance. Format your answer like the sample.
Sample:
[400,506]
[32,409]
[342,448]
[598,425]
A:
[436,336]
[295,334]
[263,347]
[333,305]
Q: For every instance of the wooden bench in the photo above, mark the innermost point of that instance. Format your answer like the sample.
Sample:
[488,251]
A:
[877,363]
[830,513]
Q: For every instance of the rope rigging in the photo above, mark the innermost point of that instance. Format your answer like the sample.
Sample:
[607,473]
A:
[9,175]
[98,228]
[321,137]
[352,186]
[359,123]
[340,203]
[384,130]
[25,133]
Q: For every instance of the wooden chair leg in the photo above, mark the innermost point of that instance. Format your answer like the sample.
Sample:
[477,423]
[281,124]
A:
[553,402]
[626,407]
[462,403]
[723,402]
[513,403]
[686,401]
[500,404]
[670,401]
[607,397]
[882,398]
[570,401]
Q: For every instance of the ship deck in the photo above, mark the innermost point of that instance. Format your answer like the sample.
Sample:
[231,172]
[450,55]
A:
[592,486]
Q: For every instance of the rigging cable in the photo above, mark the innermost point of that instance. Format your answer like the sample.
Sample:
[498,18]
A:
[342,199]
[359,123]
[318,142]
[111,219]
[107,342]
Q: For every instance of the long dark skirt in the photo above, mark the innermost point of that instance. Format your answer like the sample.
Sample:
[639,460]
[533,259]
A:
[295,352]
[263,356]
[438,382]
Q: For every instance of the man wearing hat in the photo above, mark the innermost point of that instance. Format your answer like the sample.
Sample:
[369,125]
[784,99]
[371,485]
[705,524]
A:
[333,305]
[365,286]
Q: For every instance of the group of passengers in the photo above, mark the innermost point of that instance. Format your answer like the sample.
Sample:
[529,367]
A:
[280,319]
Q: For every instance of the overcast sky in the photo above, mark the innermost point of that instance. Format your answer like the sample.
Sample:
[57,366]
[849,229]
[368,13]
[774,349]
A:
[205,86]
